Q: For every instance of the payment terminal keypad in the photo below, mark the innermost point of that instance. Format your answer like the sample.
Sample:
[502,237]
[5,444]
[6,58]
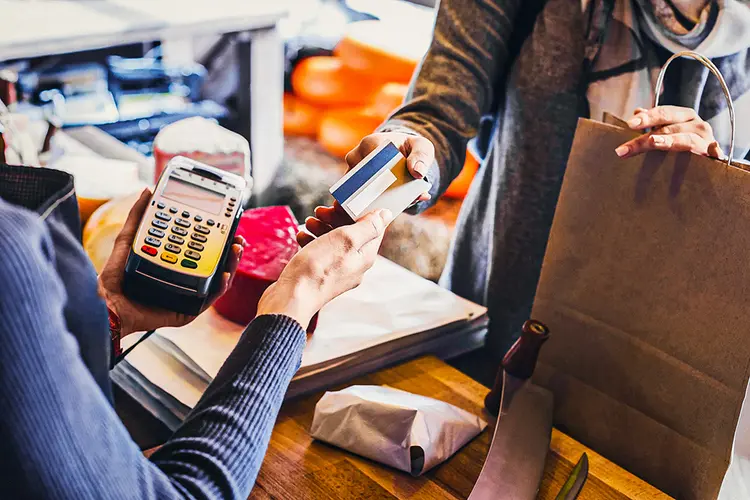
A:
[176,240]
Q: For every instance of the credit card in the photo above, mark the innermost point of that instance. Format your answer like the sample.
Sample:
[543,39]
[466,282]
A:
[381,180]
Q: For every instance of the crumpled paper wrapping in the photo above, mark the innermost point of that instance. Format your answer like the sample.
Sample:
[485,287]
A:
[406,431]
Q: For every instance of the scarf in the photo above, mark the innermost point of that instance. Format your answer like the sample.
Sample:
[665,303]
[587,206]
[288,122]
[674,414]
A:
[629,40]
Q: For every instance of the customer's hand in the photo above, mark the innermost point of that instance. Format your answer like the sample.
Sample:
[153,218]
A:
[325,268]
[673,128]
[419,152]
[136,317]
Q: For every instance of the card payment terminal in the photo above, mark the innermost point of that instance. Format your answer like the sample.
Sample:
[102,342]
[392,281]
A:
[179,252]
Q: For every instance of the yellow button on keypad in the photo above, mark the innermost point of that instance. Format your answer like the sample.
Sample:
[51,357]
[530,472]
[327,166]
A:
[169,257]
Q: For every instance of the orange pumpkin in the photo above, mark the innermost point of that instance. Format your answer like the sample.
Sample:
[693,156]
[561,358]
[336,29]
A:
[388,98]
[460,185]
[300,117]
[341,129]
[325,81]
[385,51]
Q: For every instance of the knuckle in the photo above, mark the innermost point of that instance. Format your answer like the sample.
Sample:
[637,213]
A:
[345,241]
[122,238]
[375,224]
[351,155]
[369,143]
[704,127]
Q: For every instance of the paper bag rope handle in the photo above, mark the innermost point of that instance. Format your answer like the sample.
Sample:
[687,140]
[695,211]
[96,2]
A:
[713,69]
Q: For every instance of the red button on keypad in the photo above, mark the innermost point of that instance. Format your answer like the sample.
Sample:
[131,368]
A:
[149,250]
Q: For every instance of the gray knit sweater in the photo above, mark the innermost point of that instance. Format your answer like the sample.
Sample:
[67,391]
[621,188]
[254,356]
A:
[535,91]
[59,435]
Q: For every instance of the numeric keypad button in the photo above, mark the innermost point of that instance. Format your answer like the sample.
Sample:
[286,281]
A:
[179,231]
[182,222]
[148,250]
[192,255]
[168,257]
[153,241]
[195,246]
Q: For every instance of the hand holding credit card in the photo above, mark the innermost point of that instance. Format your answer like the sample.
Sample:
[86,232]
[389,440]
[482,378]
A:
[380,181]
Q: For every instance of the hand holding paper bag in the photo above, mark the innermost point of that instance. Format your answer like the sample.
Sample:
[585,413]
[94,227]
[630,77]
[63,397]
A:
[406,431]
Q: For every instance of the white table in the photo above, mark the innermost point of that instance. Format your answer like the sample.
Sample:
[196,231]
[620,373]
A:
[33,28]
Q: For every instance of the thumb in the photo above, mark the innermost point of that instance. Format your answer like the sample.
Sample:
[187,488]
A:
[127,233]
[368,228]
[715,151]
[421,154]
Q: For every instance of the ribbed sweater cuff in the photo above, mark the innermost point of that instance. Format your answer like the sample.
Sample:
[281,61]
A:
[271,344]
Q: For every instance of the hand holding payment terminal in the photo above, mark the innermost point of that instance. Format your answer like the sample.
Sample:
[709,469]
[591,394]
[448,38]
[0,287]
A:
[179,252]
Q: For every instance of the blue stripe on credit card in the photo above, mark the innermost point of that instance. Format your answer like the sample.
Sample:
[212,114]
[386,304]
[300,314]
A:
[364,174]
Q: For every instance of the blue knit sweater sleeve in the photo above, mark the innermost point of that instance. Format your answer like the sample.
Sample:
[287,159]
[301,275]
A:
[60,437]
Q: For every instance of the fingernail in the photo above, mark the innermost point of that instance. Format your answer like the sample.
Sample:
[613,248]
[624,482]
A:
[386,216]
[420,168]
[635,121]
[622,151]
[657,139]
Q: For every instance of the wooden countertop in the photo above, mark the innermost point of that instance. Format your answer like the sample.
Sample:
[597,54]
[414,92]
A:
[296,467]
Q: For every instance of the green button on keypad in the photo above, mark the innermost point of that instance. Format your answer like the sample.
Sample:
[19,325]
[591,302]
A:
[189,264]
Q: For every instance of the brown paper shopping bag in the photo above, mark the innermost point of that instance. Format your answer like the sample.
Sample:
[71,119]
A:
[645,287]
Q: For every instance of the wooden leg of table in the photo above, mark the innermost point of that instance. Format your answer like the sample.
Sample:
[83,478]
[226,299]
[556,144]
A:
[260,101]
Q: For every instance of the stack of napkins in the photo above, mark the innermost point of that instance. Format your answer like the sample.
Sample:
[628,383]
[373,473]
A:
[392,316]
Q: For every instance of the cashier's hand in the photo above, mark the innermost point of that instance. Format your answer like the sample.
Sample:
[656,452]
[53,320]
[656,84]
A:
[135,317]
[325,268]
[673,128]
[419,152]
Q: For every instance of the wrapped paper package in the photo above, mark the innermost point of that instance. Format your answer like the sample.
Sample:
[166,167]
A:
[406,431]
